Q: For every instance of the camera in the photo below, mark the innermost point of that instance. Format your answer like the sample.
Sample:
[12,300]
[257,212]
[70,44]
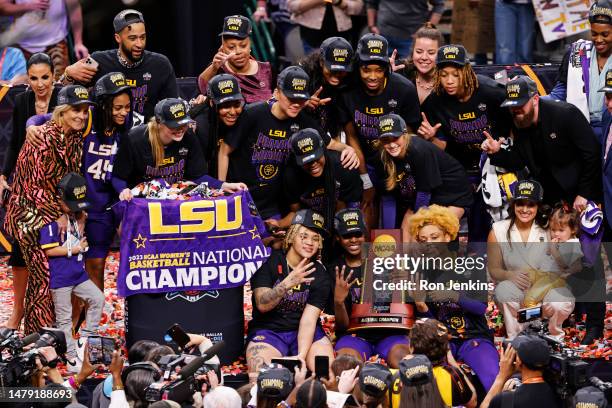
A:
[566,371]
[17,368]
[182,388]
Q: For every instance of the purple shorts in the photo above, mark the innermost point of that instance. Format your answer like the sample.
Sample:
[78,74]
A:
[285,342]
[367,349]
[100,230]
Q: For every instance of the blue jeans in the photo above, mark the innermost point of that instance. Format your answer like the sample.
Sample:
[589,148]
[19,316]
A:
[514,32]
[403,47]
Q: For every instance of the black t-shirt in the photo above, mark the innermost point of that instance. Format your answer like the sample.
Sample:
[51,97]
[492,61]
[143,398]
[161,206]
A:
[405,189]
[355,105]
[152,80]
[300,187]
[209,131]
[437,173]
[287,314]
[527,396]
[134,162]
[354,296]
[261,150]
[463,123]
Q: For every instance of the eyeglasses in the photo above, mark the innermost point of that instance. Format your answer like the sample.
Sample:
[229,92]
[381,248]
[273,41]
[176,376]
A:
[315,239]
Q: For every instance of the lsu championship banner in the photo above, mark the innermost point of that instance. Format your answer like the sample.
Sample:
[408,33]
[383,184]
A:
[196,244]
[562,18]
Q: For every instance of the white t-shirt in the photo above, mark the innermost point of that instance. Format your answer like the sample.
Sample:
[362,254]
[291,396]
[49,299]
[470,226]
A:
[38,30]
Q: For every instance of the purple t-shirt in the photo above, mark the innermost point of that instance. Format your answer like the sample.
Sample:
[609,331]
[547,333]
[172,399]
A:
[99,151]
[63,271]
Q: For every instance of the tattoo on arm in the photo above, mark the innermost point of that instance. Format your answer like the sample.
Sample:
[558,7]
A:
[271,297]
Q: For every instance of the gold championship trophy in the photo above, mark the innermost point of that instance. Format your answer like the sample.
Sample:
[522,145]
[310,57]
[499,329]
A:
[381,309]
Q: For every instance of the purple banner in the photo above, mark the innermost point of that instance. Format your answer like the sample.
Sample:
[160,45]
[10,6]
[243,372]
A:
[197,244]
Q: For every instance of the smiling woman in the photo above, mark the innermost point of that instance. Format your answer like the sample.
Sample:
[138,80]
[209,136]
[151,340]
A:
[33,204]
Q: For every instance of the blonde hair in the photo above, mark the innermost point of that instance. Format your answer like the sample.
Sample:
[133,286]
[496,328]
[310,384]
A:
[292,232]
[58,112]
[389,164]
[434,215]
[468,82]
[157,147]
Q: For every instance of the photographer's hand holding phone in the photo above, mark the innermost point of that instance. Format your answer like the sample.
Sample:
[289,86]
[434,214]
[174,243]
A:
[115,368]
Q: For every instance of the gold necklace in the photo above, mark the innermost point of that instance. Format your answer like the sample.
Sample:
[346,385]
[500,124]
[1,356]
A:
[427,86]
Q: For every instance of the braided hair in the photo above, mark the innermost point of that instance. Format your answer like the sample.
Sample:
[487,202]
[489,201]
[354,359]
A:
[468,82]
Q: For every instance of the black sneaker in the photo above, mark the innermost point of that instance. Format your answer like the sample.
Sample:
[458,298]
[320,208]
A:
[591,335]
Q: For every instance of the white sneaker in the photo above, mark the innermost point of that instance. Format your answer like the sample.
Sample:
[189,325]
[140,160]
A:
[73,366]
[80,348]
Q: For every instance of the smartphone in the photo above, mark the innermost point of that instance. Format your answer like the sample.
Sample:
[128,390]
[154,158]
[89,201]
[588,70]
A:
[100,349]
[289,363]
[530,313]
[90,62]
[178,335]
[322,366]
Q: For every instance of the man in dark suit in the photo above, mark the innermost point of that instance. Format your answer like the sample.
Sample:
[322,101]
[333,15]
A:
[555,143]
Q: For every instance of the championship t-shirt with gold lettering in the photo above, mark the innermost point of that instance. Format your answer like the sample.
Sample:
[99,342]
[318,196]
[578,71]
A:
[134,164]
[364,110]
[261,150]
[464,123]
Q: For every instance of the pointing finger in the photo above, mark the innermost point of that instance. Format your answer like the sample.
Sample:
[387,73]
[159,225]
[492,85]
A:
[316,94]
[424,117]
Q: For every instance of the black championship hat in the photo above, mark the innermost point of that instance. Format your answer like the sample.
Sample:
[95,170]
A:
[307,146]
[111,84]
[452,54]
[601,12]
[391,125]
[375,379]
[275,381]
[73,190]
[127,17]
[172,112]
[373,48]
[337,54]
[224,88]
[528,190]
[519,91]
[293,83]
[349,221]
[73,95]
[236,26]
[608,86]
[533,351]
[415,370]
[311,220]
[590,397]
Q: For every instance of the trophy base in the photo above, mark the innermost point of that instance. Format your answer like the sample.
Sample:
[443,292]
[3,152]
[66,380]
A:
[400,316]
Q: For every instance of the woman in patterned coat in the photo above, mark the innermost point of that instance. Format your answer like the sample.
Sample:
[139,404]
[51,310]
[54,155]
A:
[34,200]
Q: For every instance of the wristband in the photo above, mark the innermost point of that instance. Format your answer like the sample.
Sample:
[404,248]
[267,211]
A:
[117,387]
[367,183]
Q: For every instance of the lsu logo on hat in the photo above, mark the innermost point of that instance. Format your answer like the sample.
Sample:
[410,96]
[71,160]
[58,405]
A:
[226,86]
[450,52]
[513,90]
[317,219]
[375,46]
[177,110]
[118,79]
[306,145]
[386,124]
[340,54]
[79,192]
[234,24]
[609,78]
[81,92]
[298,84]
